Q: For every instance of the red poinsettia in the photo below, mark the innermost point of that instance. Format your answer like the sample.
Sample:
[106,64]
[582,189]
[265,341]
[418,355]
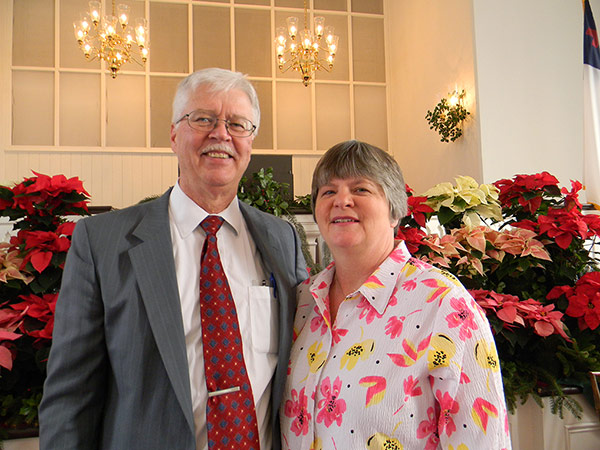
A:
[563,225]
[412,237]
[572,197]
[40,246]
[10,320]
[584,300]
[526,189]
[43,194]
[42,310]
[30,274]
[417,208]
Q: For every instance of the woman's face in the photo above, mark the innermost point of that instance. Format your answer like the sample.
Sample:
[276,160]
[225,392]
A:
[353,213]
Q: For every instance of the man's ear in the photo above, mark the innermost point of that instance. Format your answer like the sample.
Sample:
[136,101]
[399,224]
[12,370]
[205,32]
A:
[172,137]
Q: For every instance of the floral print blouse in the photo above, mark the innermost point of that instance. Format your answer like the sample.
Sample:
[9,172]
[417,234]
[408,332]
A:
[410,363]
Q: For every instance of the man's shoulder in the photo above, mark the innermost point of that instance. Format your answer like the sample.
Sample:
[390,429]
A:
[131,213]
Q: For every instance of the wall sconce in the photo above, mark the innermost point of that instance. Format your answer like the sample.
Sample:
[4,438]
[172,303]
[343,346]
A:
[447,116]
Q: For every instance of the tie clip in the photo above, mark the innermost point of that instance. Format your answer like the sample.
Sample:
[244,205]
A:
[224,391]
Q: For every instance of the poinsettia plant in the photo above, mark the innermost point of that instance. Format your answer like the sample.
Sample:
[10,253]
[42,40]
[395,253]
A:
[31,264]
[523,248]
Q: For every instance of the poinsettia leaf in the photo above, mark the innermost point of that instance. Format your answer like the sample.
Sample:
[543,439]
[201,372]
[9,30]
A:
[445,215]
[6,359]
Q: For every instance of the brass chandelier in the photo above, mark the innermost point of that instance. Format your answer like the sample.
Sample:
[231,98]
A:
[306,51]
[110,38]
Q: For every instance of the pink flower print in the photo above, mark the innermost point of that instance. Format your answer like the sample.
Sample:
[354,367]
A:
[318,322]
[420,264]
[338,334]
[367,310]
[395,323]
[448,407]
[297,408]
[393,299]
[462,317]
[428,429]
[411,388]
[482,411]
[464,378]
[440,289]
[331,406]
[394,326]
[409,285]
[398,255]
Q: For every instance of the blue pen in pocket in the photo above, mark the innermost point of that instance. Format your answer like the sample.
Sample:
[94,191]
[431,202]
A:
[273,285]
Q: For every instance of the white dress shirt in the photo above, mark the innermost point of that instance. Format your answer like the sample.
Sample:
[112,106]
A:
[252,295]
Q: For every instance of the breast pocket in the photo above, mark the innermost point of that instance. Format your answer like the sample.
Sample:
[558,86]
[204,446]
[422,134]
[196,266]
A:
[264,317]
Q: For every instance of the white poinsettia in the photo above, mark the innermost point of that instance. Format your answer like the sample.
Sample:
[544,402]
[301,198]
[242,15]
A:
[467,196]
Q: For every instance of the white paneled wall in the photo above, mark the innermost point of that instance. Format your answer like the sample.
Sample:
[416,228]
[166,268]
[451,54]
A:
[60,114]
[112,179]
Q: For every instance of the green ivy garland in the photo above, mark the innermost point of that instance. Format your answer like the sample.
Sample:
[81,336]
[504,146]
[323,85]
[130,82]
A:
[446,118]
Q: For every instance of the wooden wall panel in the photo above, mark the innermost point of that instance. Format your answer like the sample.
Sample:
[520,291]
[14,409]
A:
[112,179]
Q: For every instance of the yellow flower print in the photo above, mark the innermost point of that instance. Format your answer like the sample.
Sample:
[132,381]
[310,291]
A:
[460,447]
[362,350]
[316,358]
[318,445]
[380,441]
[486,355]
[441,351]
[408,269]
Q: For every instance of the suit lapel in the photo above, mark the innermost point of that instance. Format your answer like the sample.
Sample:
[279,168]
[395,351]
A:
[258,231]
[153,264]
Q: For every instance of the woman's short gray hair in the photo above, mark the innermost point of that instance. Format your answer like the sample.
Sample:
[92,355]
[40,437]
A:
[355,159]
[217,80]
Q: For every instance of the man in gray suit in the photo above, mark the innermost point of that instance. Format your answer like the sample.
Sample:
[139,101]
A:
[126,368]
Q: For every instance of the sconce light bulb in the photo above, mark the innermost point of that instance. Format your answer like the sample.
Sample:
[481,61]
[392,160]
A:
[454,100]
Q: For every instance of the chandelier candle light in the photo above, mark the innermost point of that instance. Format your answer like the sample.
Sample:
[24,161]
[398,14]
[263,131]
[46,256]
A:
[110,38]
[302,52]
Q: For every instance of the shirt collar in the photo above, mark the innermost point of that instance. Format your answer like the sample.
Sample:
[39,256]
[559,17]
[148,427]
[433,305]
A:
[377,289]
[187,215]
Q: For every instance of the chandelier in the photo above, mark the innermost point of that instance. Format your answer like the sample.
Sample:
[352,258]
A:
[307,50]
[110,38]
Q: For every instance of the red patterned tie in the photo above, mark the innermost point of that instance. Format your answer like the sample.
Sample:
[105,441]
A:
[230,414]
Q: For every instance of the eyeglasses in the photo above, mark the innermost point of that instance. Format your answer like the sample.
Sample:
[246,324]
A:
[206,121]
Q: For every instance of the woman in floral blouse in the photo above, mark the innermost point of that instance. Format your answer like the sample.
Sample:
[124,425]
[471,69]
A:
[389,352]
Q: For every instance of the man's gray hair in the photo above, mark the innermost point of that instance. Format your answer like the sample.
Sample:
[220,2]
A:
[355,159]
[216,80]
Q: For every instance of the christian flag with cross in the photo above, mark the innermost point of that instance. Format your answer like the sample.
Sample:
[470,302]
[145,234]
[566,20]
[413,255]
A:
[591,105]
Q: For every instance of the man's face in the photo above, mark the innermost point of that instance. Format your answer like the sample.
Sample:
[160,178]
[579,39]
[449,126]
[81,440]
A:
[212,162]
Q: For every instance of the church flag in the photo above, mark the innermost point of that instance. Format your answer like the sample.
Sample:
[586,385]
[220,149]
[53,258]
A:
[591,108]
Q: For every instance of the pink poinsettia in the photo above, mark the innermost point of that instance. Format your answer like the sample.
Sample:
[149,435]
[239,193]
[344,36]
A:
[10,265]
[544,320]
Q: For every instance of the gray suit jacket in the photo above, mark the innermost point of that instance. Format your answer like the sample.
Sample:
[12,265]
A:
[118,373]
